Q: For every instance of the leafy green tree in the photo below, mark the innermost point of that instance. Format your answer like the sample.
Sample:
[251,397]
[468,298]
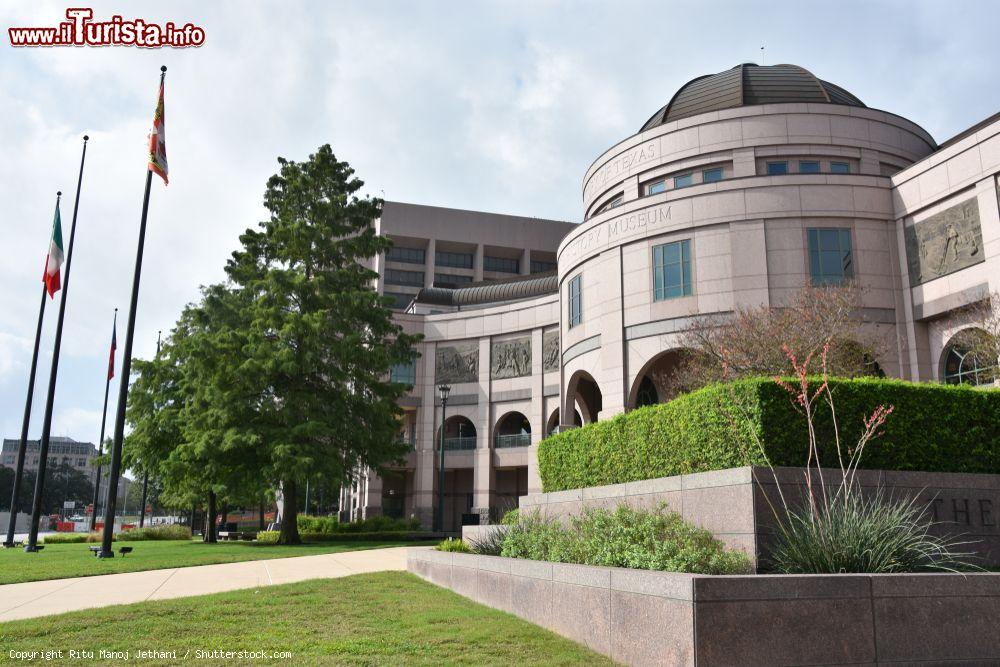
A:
[62,482]
[318,342]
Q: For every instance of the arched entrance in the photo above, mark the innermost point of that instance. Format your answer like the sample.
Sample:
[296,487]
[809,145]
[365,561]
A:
[583,392]
[553,426]
[513,430]
[653,384]
[967,359]
[459,434]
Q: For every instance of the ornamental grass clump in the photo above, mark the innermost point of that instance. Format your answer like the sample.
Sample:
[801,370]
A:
[454,545]
[626,537]
[837,528]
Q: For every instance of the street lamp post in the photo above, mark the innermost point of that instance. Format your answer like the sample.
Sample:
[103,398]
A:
[443,390]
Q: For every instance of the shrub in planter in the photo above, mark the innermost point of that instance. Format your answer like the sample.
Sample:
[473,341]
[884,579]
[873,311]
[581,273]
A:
[451,544]
[627,537]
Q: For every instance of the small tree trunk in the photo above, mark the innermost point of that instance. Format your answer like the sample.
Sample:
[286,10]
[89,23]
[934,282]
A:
[225,514]
[210,531]
[260,520]
[290,517]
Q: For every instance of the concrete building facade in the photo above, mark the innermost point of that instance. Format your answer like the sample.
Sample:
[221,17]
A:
[747,186]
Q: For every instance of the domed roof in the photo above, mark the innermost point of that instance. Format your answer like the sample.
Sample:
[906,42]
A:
[746,85]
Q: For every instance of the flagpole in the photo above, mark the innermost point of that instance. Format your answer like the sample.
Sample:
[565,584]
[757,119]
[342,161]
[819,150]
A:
[100,442]
[145,472]
[43,451]
[116,447]
[22,446]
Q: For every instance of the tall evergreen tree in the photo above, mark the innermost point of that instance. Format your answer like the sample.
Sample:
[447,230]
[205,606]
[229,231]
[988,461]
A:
[317,340]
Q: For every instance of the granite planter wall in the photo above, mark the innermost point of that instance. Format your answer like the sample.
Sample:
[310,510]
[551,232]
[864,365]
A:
[640,617]
[735,504]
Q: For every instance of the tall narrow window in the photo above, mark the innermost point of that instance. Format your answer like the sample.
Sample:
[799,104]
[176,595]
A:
[831,261]
[575,301]
[672,270]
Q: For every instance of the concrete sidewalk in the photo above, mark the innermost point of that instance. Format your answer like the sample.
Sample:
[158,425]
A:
[41,598]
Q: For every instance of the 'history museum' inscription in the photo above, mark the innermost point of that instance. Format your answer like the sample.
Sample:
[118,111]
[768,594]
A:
[620,227]
[944,243]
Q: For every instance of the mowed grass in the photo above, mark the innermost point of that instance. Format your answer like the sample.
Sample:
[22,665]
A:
[386,618]
[58,561]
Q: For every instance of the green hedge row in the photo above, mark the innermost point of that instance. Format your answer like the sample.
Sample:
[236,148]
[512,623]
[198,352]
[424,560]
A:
[271,536]
[935,428]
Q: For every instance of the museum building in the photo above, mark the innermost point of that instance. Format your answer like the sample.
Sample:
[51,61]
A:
[748,185]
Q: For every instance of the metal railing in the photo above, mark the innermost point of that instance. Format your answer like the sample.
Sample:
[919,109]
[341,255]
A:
[513,440]
[459,444]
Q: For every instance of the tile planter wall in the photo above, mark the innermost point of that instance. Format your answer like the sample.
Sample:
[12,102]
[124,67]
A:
[639,617]
[735,504]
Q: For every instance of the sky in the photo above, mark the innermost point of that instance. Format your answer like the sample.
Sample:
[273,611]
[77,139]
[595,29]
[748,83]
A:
[493,106]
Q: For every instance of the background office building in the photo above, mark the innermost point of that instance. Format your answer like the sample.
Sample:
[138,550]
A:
[747,186]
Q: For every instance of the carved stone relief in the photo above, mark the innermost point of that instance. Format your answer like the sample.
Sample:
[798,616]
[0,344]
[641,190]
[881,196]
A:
[944,243]
[457,363]
[511,358]
[550,351]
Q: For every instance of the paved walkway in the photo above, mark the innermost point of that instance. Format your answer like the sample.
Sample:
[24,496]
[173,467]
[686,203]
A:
[40,598]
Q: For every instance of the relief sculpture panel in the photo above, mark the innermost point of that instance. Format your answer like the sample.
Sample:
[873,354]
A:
[944,243]
[550,351]
[511,358]
[458,362]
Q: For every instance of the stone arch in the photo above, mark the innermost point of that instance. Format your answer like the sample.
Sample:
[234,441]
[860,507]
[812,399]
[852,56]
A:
[583,391]
[650,385]
[962,363]
[459,434]
[512,430]
[553,426]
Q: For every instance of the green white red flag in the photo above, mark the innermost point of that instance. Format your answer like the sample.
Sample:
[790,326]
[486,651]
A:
[158,141]
[54,262]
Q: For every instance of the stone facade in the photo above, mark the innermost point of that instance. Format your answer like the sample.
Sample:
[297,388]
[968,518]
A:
[921,220]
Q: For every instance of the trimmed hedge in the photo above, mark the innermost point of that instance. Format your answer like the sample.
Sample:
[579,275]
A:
[934,428]
[271,536]
[376,524]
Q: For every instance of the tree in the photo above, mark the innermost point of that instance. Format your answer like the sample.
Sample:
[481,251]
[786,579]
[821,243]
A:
[318,342]
[748,342]
[62,482]
[981,341]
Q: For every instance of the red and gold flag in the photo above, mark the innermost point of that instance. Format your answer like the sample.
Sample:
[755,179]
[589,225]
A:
[158,141]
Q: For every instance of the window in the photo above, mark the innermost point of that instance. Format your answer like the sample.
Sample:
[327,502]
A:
[400,301]
[840,168]
[542,266]
[808,167]
[966,362]
[458,260]
[404,373]
[610,204]
[407,255]
[399,277]
[672,270]
[575,301]
[445,279]
[682,181]
[830,258]
[501,264]
[656,187]
[81,462]
[777,168]
[711,175]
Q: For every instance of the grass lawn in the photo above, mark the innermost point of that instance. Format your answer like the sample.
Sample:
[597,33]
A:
[387,618]
[57,561]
